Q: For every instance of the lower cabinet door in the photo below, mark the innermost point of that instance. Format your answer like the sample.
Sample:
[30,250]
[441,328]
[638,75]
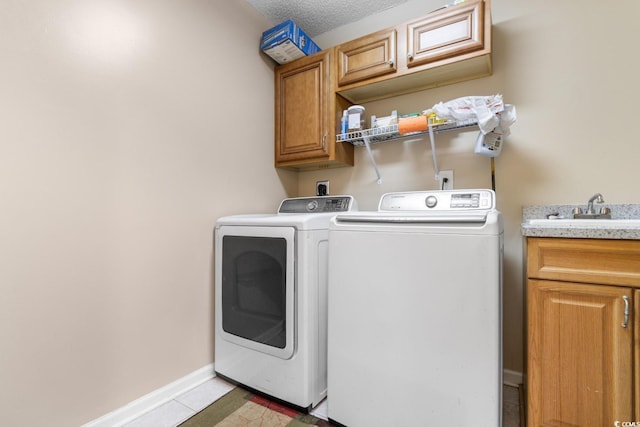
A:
[580,354]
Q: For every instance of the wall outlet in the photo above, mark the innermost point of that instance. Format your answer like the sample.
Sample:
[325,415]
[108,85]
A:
[322,188]
[445,180]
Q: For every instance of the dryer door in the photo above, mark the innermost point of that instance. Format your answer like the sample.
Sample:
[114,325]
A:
[254,287]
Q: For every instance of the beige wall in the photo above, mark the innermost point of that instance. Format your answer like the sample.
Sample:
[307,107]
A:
[571,70]
[126,130]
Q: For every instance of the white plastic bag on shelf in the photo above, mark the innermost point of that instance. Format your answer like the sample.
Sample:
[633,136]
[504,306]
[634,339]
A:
[490,144]
[482,108]
[507,118]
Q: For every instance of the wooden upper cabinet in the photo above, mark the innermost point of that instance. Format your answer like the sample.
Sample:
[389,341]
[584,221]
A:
[446,33]
[300,109]
[305,107]
[449,45]
[366,57]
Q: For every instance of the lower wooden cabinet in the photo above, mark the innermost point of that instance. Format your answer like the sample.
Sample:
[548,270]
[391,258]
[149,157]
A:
[580,355]
[582,332]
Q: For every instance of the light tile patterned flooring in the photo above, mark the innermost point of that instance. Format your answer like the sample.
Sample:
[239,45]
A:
[188,404]
[184,406]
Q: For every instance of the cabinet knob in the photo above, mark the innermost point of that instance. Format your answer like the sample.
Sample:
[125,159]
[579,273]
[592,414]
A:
[391,62]
[410,55]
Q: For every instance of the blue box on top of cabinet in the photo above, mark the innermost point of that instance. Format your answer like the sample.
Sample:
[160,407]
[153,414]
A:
[286,42]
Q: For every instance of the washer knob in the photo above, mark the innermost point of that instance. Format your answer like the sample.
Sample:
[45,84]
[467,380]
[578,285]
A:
[431,201]
[312,205]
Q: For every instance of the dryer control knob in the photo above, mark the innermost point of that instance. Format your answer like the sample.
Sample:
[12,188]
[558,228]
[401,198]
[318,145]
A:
[312,205]
[431,201]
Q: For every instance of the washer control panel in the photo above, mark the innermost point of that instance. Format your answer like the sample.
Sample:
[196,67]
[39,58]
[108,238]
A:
[317,204]
[468,200]
[445,200]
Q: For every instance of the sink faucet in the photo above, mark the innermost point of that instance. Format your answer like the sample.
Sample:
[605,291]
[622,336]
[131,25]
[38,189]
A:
[605,213]
[595,198]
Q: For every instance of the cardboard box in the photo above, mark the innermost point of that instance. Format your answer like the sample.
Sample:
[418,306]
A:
[286,42]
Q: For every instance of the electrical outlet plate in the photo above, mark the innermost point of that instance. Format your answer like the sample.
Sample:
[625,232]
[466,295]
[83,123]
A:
[448,185]
[322,188]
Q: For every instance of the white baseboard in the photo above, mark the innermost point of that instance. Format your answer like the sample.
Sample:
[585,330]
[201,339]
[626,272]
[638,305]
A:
[164,394]
[512,378]
[154,399]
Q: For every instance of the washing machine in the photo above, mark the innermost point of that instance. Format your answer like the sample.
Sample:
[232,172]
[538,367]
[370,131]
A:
[271,298]
[415,312]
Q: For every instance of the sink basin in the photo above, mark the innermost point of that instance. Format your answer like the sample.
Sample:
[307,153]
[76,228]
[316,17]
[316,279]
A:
[586,223]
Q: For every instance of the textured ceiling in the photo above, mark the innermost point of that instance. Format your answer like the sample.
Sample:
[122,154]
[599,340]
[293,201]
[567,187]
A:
[319,16]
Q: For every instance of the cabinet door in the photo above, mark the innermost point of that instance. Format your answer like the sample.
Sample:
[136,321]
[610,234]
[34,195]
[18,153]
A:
[636,355]
[446,33]
[579,354]
[370,56]
[302,92]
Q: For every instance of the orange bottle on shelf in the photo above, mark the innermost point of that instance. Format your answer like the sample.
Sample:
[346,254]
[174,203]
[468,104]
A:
[412,124]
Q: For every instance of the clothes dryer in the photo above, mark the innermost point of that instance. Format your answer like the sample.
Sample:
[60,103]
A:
[271,298]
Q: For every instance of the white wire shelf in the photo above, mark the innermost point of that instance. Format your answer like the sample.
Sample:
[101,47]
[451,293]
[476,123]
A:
[387,133]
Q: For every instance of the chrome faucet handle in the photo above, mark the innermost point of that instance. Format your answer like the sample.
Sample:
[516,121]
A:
[595,198]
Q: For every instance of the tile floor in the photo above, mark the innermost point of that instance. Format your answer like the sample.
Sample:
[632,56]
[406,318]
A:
[188,404]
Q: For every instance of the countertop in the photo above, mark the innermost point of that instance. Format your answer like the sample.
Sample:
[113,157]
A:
[606,230]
